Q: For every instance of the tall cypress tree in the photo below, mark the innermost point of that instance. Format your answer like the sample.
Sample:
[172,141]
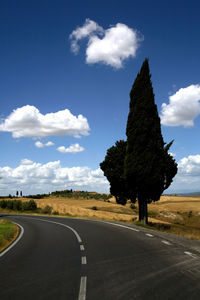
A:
[148,167]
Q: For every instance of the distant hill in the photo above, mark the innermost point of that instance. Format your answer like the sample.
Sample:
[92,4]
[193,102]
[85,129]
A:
[190,194]
[183,194]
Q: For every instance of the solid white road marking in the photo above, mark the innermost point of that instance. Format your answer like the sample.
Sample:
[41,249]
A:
[130,228]
[15,242]
[72,229]
[166,243]
[150,235]
[82,291]
[82,248]
[190,254]
[83,260]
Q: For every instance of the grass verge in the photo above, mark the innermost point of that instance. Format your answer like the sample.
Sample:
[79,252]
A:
[8,232]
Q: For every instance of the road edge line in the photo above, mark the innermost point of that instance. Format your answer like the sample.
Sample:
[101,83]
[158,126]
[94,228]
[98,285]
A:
[15,241]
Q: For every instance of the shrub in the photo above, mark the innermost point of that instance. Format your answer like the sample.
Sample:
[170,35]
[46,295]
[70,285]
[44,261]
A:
[55,212]
[132,206]
[47,210]
[94,208]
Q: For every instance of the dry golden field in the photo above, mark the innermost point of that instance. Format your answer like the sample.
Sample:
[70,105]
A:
[110,210]
[174,214]
[176,203]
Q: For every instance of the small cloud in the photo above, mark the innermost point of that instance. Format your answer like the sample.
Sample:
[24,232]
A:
[183,107]
[88,29]
[41,145]
[26,162]
[74,148]
[27,121]
[111,46]
[48,144]
[172,154]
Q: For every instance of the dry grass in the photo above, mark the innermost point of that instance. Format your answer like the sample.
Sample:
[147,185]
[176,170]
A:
[8,233]
[181,213]
[176,203]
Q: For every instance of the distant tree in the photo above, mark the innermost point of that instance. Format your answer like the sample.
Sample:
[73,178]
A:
[17,193]
[148,167]
[20,193]
[113,168]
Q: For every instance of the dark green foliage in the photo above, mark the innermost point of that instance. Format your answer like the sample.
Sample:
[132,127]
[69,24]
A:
[47,210]
[80,195]
[38,196]
[149,168]
[113,168]
[94,208]
[18,205]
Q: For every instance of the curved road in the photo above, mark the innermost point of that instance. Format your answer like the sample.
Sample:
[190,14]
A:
[62,258]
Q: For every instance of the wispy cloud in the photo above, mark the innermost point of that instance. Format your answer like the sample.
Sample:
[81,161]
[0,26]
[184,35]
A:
[111,46]
[74,148]
[39,144]
[27,121]
[183,107]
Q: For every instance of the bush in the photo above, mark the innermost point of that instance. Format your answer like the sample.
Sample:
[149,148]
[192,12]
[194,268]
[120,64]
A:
[47,210]
[17,205]
[3,203]
[132,206]
[55,213]
[94,208]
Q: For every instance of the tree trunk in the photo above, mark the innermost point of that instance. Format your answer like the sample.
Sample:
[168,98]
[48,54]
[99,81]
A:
[143,210]
[145,219]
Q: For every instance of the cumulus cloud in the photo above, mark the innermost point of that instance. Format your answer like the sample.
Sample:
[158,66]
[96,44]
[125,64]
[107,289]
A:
[39,144]
[32,178]
[74,148]
[89,28]
[183,107]
[27,121]
[188,176]
[26,161]
[111,46]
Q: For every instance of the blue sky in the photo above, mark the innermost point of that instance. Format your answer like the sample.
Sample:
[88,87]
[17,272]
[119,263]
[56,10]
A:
[65,88]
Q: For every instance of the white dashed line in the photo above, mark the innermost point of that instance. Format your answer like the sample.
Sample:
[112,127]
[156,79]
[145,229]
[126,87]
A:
[166,243]
[15,242]
[150,235]
[82,248]
[190,254]
[82,291]
[83,260]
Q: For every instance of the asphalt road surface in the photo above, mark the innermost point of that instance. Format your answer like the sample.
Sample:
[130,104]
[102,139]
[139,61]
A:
[74,259]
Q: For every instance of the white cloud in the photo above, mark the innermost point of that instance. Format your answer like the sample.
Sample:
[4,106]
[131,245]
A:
[32,178]
[41,145]
[188,176]
[183,107]
[86,30]
[118,43]
[26,161]
[27,121]
[74,148]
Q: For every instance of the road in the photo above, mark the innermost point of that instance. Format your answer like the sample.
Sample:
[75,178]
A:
[74,259]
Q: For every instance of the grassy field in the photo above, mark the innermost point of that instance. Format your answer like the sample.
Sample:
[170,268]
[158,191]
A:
[8,232]
[173,214]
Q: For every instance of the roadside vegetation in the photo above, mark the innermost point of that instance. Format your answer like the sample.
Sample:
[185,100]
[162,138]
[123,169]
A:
[8,232]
